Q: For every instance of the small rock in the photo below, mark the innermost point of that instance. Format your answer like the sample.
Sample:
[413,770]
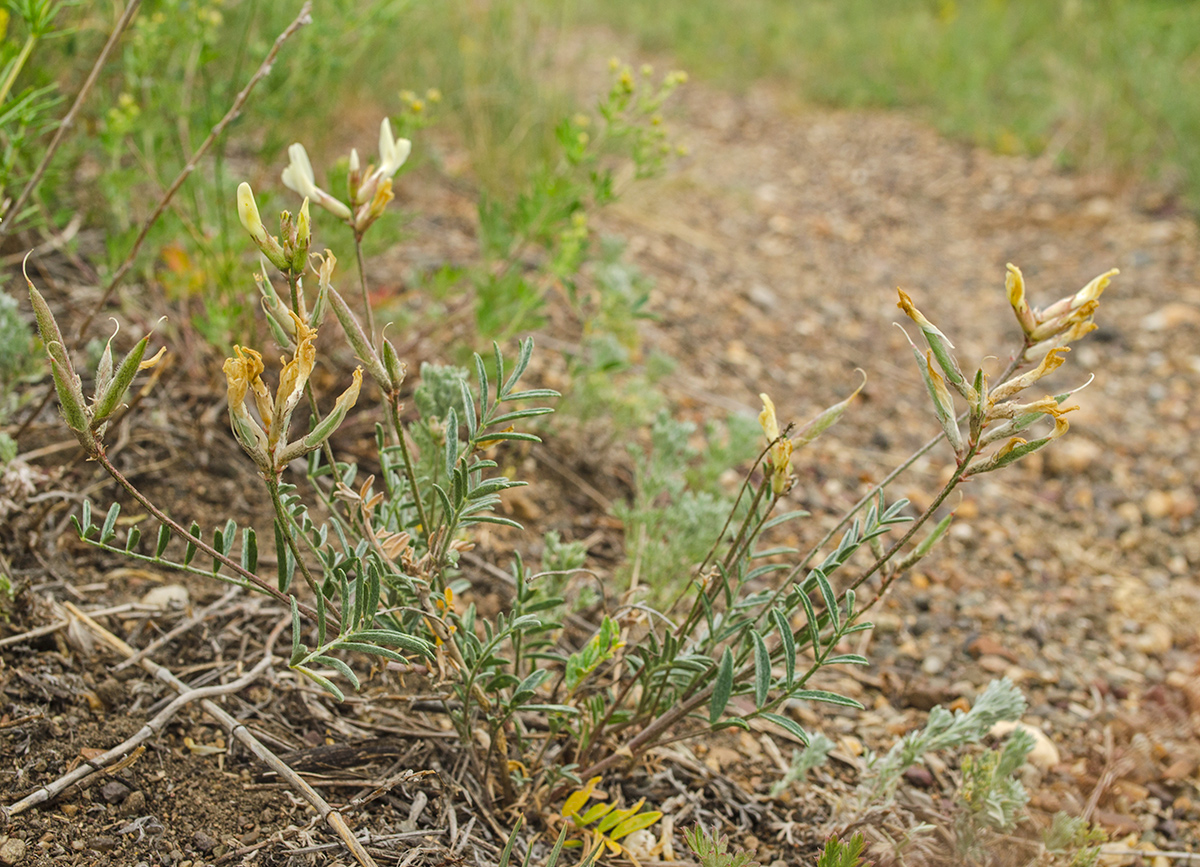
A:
[763,297]
[114,791]
[1044,754]
[933,665]
[641,844]
[203,842]
[1171,316]
[985,645]
[1129,514]
[134,805]
[1157,504]
[919,776]
[103,843]
[993,664]
[167,596]
[1155,638]
[12,851]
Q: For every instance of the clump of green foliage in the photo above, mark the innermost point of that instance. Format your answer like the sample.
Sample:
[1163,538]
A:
[372,563]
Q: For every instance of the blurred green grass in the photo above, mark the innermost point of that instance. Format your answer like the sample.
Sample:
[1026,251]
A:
[1098,84]
[1095,84]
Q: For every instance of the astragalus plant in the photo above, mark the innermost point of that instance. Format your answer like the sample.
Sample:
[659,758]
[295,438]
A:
[379,555]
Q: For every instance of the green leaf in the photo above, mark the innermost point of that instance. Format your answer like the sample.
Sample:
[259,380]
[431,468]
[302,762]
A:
[847,659]
[481,373]
[283,561]
[342,668]
[506,853]
[534,394]
[190,550]
[321,619]
[762,670]
[523,357]
[788,643]
[324,682]
[297,647]
[110,520]
[134,535]
[85,512]
[814,628]
[789,725]
[786,516]
[731,722]
[491,519]
[533,681]
[518,414]
[831,603]
[249,550]
[164,536]
[372,650]
[722,688]
[826,697]
[634,823]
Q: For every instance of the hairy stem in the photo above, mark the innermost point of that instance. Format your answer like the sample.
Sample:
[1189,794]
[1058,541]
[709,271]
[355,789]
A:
[162,517]
[409,472]
[286,526]
[362,285]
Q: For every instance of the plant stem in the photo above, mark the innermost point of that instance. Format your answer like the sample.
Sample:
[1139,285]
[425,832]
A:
[362,285]
[18,65]
[200,544]
[285,525]
[409,472]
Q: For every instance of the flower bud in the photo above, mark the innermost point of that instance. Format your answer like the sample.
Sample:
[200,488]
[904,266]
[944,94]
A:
[248,214]
[1015,284]
[303,239]
[396,368]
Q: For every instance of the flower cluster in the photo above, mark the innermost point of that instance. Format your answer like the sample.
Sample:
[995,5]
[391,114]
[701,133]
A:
[267,444]
[993,413]
[370,192]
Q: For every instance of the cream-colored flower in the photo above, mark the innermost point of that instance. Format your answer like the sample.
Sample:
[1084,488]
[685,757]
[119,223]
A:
[298,176]
[248,214]
[393,152]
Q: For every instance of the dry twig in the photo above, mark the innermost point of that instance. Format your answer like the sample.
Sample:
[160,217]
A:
[98,764]
[236,729]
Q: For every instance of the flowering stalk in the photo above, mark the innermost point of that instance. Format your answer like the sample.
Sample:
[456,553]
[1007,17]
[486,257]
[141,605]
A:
[369,194]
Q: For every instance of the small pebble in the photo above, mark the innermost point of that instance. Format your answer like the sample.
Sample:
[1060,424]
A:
[919,776]
[167,596]
[12,851]
[103,843]
[203,842]
[933,665]
[114,792]
[1044,754]
[134,805]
